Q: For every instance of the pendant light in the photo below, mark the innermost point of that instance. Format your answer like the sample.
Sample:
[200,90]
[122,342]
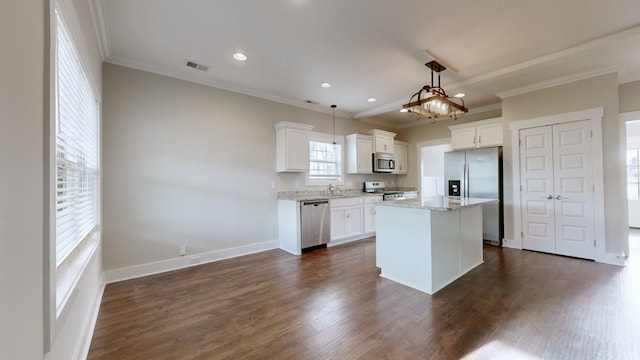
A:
[333,107]
[432,101]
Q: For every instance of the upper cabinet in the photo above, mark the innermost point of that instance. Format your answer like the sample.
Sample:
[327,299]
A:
[400,150]
[382,140]
[477,134]
[292,146]
[359,151]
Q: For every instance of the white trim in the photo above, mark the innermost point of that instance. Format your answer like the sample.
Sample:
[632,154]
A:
[624,118]
[596,116]
[100,26]
[327,138]
[339,242]
[628,116]
[157,267]
[90,325]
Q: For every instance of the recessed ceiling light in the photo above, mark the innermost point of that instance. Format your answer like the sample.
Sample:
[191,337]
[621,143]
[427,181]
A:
[459,95]
[372,99]
[240,56]
[325,85]
[404,110]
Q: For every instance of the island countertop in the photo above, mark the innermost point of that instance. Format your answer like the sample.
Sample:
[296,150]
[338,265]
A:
[449,203]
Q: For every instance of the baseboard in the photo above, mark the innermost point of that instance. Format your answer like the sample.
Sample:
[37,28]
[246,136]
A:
[612,259]
[513,244]
[345,241]
[136,271]
[90,328]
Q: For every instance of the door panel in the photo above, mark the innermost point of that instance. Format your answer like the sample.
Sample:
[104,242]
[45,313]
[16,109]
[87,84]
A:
[536,159]
[573,176]
[557,189]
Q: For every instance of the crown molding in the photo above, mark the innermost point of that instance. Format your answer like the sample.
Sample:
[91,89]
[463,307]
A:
[98,16]
[557,81]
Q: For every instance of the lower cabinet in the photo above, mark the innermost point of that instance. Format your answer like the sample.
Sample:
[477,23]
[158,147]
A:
[347,218]
[370,213]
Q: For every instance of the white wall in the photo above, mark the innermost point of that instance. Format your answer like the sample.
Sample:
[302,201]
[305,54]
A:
[193,165]
[432,167]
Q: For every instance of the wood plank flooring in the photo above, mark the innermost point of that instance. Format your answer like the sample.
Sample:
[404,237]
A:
[331,304]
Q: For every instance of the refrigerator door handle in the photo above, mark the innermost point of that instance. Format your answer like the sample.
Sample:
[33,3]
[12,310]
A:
[467,175]
[463,182]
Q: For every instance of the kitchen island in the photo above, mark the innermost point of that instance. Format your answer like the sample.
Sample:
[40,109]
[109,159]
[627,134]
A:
[427,244]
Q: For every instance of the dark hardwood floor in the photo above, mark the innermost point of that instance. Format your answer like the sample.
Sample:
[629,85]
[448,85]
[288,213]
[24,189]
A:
[331,304]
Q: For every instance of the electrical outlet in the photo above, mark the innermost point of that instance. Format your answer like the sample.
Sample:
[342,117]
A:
[195,259]
[182,250]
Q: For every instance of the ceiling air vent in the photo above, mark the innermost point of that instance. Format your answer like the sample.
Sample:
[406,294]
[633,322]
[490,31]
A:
[195,65]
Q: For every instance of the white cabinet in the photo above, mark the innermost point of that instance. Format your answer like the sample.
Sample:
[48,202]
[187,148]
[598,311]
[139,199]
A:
[477,134]
[347,217]
[359,154]
[292,146]
[370,213]
[382,140]
[400,150]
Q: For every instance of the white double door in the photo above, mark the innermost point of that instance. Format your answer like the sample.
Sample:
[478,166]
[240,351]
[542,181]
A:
[557,192]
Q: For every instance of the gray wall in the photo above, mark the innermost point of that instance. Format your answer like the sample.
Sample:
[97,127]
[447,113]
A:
[24,119]
[21,194]
[629,96]
[193,165]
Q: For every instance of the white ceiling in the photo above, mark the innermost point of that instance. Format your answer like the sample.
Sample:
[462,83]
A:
[374,48]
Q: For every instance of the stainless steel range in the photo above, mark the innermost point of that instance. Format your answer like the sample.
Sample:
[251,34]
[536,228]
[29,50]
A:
[379,187]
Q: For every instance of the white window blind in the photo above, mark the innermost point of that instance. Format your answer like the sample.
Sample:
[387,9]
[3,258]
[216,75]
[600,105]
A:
[77,142]
[325,161]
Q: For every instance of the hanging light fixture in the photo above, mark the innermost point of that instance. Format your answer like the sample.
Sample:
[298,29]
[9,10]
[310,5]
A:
[432,101]
[333,107]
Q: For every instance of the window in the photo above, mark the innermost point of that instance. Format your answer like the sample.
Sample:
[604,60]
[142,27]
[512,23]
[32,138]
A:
[77,148]
[325,160]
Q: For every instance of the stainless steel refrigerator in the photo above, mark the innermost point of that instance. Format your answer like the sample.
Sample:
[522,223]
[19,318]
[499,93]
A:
[478,173]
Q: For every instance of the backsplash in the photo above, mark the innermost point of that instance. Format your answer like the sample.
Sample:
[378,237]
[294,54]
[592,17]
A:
[286,182]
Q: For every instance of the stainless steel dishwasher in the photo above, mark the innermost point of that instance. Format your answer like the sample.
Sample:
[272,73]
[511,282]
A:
[315,224]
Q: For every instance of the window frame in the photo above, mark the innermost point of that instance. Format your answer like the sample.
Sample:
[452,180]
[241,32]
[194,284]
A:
[326,138]
[61,279]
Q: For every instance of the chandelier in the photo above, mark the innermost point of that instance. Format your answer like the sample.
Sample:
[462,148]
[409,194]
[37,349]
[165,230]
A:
[432,101]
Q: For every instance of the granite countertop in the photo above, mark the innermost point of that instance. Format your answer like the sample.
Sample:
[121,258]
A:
[303,196]
[322,194]
[449,203]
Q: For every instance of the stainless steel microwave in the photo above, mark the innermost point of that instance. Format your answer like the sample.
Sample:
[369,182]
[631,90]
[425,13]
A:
[383,162]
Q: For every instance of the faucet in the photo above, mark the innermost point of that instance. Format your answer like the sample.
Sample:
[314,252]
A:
[333,190]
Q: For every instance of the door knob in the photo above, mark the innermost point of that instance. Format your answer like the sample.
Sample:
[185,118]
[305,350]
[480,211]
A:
[558,197]
[549,197]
